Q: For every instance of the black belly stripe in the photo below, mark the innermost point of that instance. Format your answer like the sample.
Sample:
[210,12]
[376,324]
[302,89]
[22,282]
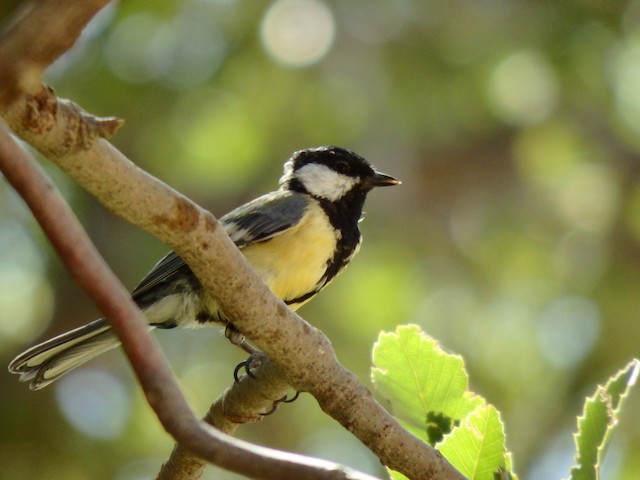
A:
[303,298]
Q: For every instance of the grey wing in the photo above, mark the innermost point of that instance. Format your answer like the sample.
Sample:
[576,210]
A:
[168,269]
[265,217]
[256,221]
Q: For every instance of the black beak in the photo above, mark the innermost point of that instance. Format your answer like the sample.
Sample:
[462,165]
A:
[381,180]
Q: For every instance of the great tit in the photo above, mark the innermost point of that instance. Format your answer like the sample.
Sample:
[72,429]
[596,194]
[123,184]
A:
[297,238]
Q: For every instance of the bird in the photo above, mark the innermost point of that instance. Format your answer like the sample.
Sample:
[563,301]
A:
[298,238]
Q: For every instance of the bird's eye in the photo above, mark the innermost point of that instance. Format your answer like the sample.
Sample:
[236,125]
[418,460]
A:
[342,166]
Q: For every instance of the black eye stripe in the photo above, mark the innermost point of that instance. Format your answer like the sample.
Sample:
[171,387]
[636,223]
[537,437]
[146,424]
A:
[342,166]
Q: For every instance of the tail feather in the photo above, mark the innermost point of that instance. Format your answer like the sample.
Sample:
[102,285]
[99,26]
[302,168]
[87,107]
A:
[46,362]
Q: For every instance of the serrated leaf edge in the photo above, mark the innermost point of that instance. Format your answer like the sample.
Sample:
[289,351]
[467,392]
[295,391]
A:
[604,396]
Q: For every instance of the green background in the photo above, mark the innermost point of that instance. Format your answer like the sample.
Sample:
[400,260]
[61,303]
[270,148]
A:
[514,238]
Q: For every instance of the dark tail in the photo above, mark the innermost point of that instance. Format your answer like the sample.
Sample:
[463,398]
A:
[48,361]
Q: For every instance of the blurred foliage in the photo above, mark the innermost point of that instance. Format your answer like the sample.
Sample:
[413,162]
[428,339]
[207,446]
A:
[514,239]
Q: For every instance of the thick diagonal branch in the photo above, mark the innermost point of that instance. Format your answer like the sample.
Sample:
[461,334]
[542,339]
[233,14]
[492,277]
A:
[162,391]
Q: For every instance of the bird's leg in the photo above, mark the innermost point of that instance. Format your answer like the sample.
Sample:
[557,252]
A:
[238,339]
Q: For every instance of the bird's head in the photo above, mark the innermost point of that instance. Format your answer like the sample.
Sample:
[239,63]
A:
[331,173]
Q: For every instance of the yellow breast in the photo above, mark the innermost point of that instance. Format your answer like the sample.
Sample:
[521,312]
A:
[292,263]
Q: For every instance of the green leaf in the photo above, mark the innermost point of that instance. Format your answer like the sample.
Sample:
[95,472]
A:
[598,421]
[427,389]
[477,447]
[417,376]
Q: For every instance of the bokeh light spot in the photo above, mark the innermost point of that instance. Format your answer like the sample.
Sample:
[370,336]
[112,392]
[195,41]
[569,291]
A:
[567,330]
[222,143]
[588,198]
[26,295]
[523,89]
[95,402]
[625,74]
[298,33]
[26,301]
[190,47]
[182,52]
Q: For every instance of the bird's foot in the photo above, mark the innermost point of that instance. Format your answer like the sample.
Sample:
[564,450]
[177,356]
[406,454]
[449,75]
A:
[252,363]
[277,403]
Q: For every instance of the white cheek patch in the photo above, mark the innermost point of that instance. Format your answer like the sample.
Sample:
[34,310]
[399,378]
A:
[321,181]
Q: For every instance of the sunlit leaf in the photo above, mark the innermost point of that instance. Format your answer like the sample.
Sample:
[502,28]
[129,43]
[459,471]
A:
[598,421]
[426,388]
[477,447]
[414,373]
